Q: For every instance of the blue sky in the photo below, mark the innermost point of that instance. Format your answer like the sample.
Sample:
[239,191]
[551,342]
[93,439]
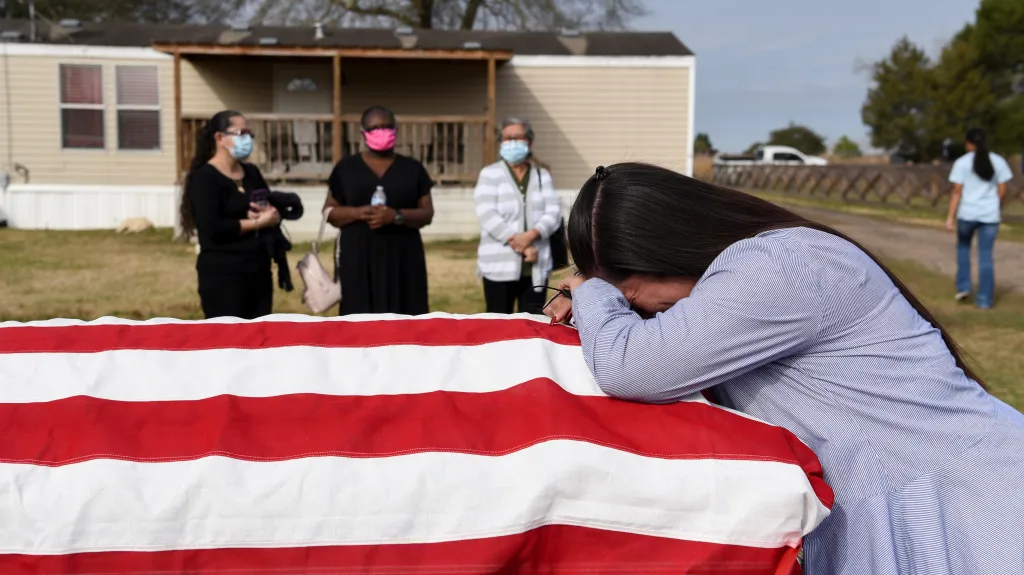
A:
[764,63]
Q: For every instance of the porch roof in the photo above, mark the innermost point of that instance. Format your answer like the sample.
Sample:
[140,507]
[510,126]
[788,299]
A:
[300,40]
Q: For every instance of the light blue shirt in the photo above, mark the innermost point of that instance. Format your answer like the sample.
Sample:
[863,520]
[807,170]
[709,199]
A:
[980,200]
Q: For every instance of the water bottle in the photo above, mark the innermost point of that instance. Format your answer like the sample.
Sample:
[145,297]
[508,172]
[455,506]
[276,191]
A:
[378,198]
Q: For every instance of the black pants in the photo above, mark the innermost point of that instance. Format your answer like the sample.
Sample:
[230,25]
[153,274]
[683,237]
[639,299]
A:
[501,297]
[242,295]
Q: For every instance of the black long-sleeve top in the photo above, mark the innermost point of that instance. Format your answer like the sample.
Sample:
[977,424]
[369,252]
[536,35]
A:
[218,206]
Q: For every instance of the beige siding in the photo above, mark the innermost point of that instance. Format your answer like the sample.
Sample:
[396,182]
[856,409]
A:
[416,87]
[319,102]
[214,84]
[590,116]
[31,126]
[584,116]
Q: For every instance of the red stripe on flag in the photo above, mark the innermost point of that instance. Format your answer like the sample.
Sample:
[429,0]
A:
[266,334]
[552,549]
[283,427]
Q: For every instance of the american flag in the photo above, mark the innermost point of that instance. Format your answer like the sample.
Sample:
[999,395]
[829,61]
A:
[376,444]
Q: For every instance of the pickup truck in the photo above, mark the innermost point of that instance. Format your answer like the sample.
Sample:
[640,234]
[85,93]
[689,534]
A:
[773,155]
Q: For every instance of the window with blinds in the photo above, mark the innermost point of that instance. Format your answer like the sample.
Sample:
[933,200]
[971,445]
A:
[138,108]
[81,106]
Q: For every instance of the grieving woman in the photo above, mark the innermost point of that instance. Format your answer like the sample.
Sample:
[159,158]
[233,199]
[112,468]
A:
[686,287]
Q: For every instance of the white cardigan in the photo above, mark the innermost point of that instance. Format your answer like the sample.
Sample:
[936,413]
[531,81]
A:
[502,213]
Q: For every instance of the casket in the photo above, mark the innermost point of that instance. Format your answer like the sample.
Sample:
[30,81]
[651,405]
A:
[375,444]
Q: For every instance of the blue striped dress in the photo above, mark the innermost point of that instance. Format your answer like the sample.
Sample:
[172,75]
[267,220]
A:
[801,329]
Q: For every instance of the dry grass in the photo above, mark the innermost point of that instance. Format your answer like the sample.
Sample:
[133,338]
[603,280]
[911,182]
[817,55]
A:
[92,274]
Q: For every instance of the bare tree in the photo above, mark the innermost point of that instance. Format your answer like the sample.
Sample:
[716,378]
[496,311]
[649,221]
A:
[454,14]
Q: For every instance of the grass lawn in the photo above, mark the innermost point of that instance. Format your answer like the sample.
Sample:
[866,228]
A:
[92,274]
[916,214]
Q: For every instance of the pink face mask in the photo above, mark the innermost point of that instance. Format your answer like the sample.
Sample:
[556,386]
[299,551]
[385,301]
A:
[381,139]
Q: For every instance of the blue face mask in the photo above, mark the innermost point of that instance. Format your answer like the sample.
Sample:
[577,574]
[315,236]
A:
[514,151]
[241,147]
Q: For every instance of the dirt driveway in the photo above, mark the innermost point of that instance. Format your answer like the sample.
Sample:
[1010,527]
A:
[930,247]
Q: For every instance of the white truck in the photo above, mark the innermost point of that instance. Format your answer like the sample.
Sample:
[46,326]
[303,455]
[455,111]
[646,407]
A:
[771,155]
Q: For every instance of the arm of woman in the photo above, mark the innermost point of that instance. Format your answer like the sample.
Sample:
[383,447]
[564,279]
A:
[341,215]
[423,214]
[954,205]
[757,304]
[1003,176]
[957,177]
[548,223]
[211,224]
[485,198]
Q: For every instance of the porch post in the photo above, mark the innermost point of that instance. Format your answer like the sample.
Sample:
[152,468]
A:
[336,129]
[179,151]
[490,146]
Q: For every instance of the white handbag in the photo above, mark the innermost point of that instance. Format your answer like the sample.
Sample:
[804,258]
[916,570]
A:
[322,291]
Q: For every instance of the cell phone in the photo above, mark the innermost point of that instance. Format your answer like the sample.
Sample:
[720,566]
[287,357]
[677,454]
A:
[261,197]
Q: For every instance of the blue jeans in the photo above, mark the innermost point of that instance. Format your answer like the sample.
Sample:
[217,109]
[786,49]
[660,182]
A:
[965,231]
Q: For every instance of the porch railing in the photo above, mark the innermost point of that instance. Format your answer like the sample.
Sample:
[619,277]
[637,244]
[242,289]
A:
[299,148]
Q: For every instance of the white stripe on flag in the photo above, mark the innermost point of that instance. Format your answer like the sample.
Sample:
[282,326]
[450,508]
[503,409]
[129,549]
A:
[295,318]
[153,375]
[421,498]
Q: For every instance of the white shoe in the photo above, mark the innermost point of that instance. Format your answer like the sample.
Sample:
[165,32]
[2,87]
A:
[961,296]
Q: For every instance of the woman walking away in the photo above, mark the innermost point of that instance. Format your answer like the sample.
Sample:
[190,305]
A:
[519,210]
[380,200]
[219,204]
[980,179]
[687,286]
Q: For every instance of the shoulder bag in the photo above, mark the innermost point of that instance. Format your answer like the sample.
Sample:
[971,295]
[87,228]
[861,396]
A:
[321,291]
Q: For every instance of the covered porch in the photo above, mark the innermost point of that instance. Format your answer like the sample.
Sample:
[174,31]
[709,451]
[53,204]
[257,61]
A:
[304,104]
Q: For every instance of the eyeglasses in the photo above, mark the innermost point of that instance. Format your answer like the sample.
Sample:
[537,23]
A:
[245,132]
[558,293]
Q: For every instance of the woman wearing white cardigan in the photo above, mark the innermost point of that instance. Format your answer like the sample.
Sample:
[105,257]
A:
[518,210]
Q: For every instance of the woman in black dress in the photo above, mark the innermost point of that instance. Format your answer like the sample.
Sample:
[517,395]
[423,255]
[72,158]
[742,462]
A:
[381,266]
[234,265]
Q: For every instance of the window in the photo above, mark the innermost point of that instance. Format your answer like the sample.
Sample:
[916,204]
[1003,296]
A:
[81,106]
[138,108]
[787,157]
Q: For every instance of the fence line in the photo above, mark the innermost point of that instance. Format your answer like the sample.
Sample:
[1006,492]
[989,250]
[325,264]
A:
[856,183]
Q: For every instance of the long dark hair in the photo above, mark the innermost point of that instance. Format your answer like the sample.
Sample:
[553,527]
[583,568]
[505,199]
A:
[206,147]
[635,218]
[982,162]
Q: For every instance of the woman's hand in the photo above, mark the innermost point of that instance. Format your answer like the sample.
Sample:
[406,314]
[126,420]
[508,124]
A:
[560,307]
[530,255]
[951,224]
[519,242]
[380,216]
[265,217]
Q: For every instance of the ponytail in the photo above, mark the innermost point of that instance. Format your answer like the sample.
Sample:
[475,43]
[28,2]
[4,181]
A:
[982,160]
[206,147]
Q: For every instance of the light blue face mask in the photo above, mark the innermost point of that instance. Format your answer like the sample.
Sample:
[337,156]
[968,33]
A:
[514,151]
[241,146]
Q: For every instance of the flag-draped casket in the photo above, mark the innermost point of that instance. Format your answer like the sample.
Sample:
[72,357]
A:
[377,444]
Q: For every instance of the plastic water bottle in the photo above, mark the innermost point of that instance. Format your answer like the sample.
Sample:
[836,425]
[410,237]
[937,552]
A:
[379,198]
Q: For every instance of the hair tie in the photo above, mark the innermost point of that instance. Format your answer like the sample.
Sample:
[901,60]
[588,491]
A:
[601,172]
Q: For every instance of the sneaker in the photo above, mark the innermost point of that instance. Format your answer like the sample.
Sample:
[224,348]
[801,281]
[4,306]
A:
[961,296]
